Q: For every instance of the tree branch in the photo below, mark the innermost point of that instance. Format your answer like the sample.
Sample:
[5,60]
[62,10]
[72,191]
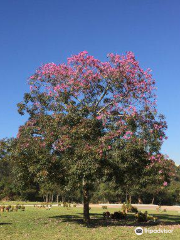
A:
[105,107]
[102,96]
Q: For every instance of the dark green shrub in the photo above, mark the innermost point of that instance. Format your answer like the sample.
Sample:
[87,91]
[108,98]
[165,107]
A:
[118,215]
[141,217]
[106,215]
[132,209]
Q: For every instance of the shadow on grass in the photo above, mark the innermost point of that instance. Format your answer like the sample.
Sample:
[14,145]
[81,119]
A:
[5,224]
[97,220]
[167,219]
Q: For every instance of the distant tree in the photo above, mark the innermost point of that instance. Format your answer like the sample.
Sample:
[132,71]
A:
[170,194]
[7,187]
[156,178]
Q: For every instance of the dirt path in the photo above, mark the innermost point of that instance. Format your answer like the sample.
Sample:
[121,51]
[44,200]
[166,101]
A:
[139,206]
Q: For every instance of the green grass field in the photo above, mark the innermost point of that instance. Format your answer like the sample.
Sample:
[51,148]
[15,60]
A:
[61,223]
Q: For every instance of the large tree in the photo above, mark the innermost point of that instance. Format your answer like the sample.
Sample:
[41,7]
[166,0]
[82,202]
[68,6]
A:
[80,110]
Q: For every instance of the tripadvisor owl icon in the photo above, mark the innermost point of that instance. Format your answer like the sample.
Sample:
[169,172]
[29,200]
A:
[139,231]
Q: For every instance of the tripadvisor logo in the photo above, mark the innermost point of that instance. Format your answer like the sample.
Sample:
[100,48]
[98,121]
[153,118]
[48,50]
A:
[139,231]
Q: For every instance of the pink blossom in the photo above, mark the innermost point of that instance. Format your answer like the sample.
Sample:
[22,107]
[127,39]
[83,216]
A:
[165,184]
[99,117]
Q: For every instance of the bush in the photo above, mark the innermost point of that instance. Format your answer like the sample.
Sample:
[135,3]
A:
[23,208]
[116,215]
[106,215]
[132,209]
[124,208]
[104,207]
[8,208]
[129,208]
[16,208]
[141,217]
[145,217]
[65,204]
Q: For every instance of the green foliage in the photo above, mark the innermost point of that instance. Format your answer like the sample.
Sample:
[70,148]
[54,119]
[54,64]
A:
[124,207]
[144,217]
[128,208]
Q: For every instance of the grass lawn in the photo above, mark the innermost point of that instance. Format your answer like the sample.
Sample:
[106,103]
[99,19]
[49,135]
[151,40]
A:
[61,223]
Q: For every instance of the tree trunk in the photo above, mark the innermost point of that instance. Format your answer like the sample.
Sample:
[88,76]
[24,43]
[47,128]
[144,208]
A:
[152,200]
[126,196]
[52,198]
[57,199]
[130,197]
[86,216]
[86,206]
[46,198]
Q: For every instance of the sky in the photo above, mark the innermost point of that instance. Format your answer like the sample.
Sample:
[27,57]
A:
[33,32]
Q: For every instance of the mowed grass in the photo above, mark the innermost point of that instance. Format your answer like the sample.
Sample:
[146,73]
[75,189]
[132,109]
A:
[62,223]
